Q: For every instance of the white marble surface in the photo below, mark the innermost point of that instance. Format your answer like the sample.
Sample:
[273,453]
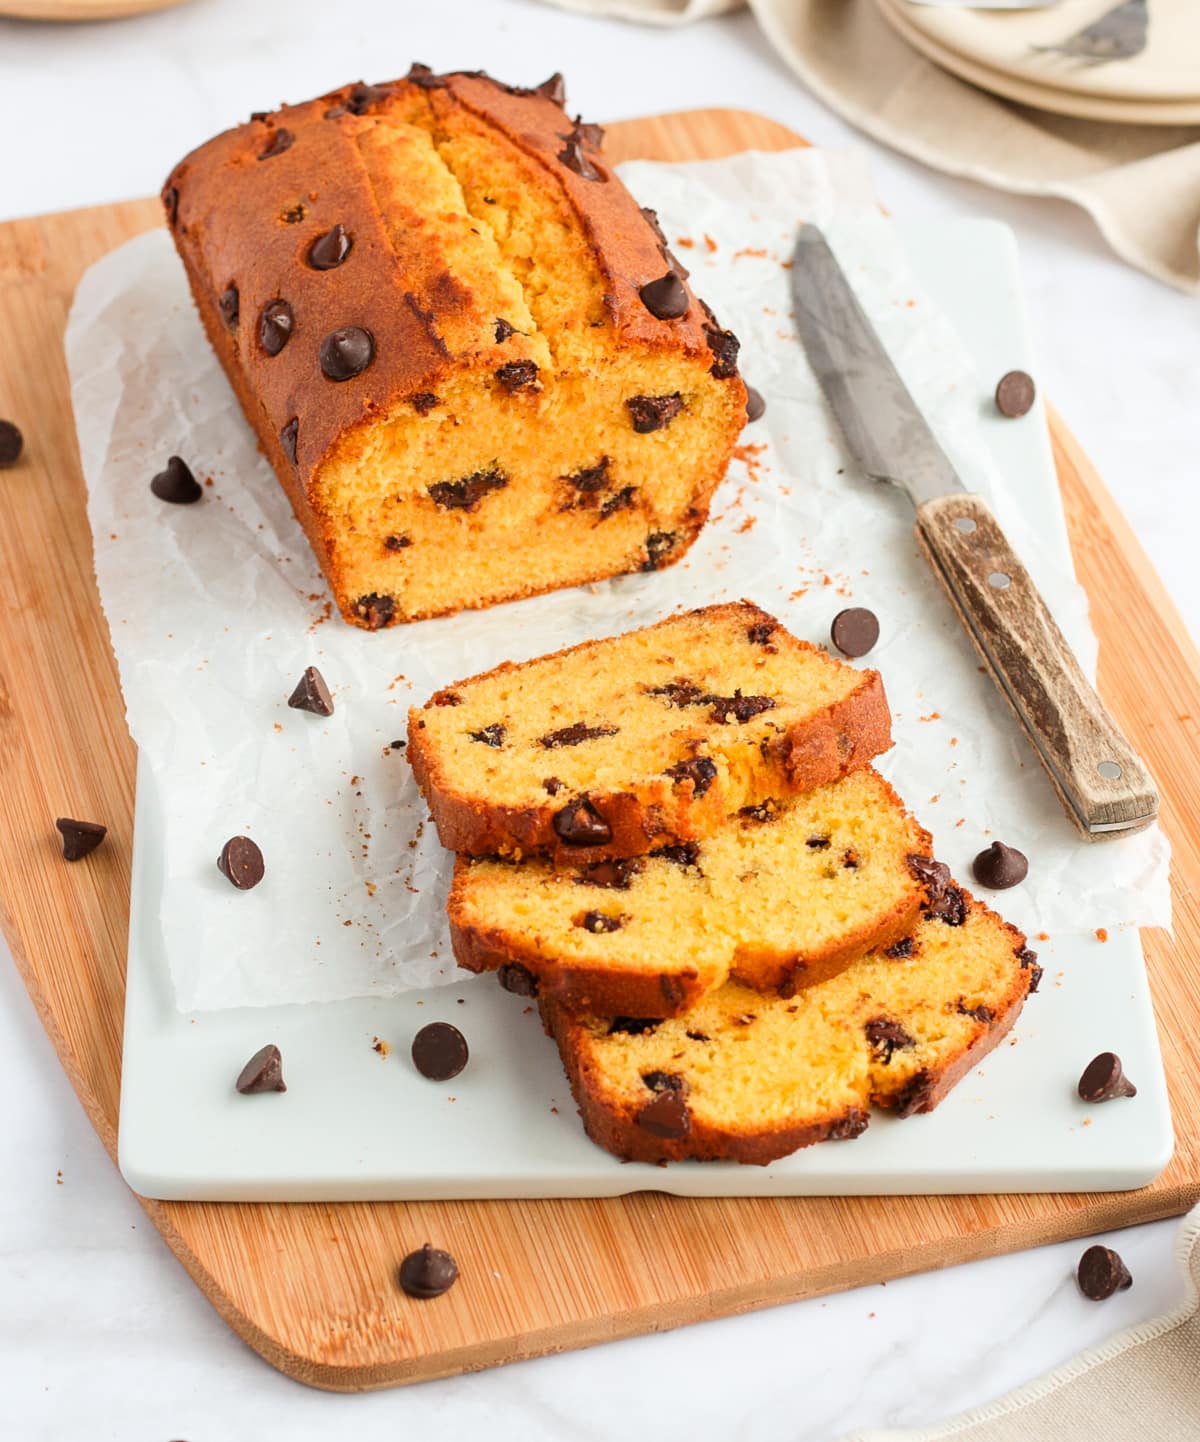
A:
[101,1333]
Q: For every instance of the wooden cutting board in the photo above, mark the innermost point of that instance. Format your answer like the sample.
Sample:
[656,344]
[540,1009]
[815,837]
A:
[312,1287]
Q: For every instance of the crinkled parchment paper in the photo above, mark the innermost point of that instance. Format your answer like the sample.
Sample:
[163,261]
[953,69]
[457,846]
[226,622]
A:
[216,608]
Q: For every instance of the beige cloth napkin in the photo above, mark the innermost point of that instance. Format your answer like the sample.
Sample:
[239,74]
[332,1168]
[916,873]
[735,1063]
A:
[1141,184]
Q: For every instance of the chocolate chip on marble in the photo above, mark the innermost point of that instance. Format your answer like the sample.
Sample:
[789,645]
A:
[375,610]
[262,1073]
[230,305]
[11,444]
[492,735]
[275,326]
[281,140]
[652,413]
[667,1116]
[439,1051]
[176,484]
[1104,1079]
[329,250]
[666,298]
[241,863]
[428,1273]
[79,838]
[312,694]
[518,979]
[287,438]
[998,867]
[854,631]
[517,375]
[1102,1273]
[580,824]
[347,352]
[1015,394]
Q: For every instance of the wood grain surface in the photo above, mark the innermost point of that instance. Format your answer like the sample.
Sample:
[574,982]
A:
[312,1287]
[1101,781]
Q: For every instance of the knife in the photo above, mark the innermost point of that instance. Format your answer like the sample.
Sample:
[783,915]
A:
[1101,781]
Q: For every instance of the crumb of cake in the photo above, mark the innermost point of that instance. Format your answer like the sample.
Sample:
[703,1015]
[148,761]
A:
[750,251]
[710,244]
[747,525]
[686,241]
[1101,933]
[382,1047]
[933,716]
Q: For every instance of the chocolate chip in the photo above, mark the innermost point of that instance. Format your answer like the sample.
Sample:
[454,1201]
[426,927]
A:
[347,352]
[950,907]
[79,838]
[672,991]
[622,500]
[979,1013]
[518,979]
[275,326]
[599,923]
[944,901]
[1000,866]
[575,735]
[229,304]
[466,494]
[665,1081]
[679,693]
[517,375]
[397,543]
[329,250]
[666,1116]
[362,97]
[916,1095]
[852,1125]
[818,843]
[580,824]
[651,413]
[698,1036]
[684,853]
[287,438]
[763,813]
[11,442]
[294,214]
[901,950]
[666,298]
[699,770]
[553,785]
[933,875]
[614,875]
[445,698]
[593,478]
[553,90]
[375,611]
[241,862]
[741,708]
[633,1025]
[423,76]
[439,1051]
[659,545]
[423,402]
[724,346]
[503,331]
[258,115]
[855,631]
[312,694]
[1028,961]
[756,407]
[171,203]
[177,484]
[281,140]
[850,859]
[887,1036]
[1104,1080]
[761,632]
[428,1273]
[492,735]
[1015,394]
[572,154]
[1101,1273]
[262,1073]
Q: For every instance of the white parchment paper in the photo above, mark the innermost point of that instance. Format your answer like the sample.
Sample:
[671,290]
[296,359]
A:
[216,608]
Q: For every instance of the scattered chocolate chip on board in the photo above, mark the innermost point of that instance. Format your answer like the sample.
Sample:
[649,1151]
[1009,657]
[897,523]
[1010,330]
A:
[312,694]
[79,838]
[1104,1079]
[1015,394]
[1102,1273]
[998,867]
[855,631]
[428,1273]
[756,407]
[241,862]
[439,1051]
[176,484]
[262,1073]
[11,444]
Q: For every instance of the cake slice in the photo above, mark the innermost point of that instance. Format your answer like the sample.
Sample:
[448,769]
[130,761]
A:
[616,747]
[749,1078]
[781,897]
[474,365]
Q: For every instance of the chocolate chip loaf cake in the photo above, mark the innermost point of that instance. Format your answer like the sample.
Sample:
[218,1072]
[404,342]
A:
[616,747]
[749,1078]
[473,363]
[782,896]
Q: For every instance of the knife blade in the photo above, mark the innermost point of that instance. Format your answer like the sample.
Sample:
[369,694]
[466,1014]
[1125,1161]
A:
[1102,782]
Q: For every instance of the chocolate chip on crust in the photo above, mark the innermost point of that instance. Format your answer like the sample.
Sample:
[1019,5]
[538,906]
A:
[1028,961]
[331,248]
[275,326]
[554,89]
[518,979]
[287,438]
[852,1125]
[580,824]
[761,632]
[724,346]
[375,610]
[916,1096]
[280,141]
[666,1116]
[666,298]
[346,352]
[572,154]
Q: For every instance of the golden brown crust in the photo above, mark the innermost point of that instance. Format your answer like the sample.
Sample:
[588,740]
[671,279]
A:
[227,204]
[827,746]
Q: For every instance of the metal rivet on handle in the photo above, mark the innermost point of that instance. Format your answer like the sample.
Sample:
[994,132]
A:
[1000,580]
[1109,770]
[966,525]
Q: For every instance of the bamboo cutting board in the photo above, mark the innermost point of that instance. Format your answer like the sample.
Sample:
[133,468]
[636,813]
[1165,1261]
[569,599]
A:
[312,1287]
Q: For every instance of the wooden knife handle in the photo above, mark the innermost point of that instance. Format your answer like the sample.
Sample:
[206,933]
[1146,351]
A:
[1101,781]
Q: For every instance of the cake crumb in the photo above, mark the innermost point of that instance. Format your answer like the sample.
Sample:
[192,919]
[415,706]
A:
[278,727]
[378,1044]
[1101,933]
[710,244]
